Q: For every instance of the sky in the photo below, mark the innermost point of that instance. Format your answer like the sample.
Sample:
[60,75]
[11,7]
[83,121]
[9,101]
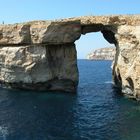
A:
[14,11]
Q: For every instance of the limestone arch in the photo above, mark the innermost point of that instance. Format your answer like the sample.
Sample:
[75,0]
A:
[39,41]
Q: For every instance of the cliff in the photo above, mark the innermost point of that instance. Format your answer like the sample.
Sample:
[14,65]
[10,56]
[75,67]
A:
[41,55]
[107,53]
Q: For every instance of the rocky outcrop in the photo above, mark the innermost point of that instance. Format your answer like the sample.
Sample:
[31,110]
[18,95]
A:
[126,67]
[107,53]
[39,67]
[41,54]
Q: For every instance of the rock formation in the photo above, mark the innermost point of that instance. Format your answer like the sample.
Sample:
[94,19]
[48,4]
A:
[107,53]
[41,55]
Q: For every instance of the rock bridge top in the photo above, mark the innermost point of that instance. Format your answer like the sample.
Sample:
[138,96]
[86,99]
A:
[63,31]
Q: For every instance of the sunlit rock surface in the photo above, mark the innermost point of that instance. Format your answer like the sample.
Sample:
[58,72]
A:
[39,67]
[41,54]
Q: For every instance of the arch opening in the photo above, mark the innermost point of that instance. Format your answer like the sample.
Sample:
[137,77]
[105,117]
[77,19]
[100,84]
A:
[95,41]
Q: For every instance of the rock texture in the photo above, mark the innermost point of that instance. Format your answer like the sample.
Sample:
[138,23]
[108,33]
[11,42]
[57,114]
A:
[41,54]
[107,53]
[40,32]
[39,67]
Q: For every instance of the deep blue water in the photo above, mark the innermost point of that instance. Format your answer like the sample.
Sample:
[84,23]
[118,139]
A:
[96,112]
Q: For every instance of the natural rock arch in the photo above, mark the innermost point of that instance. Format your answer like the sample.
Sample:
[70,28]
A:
[41,55]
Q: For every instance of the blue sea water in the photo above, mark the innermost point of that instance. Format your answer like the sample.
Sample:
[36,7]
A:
[96,112]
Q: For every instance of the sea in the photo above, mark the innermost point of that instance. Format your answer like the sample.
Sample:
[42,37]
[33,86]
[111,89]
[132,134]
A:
[98,111]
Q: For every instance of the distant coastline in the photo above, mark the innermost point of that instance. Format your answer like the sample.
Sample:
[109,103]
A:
[107,53]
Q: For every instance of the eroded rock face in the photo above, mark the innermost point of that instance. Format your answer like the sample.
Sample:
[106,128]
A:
[15,34]
[39,67]
[127,66]
[41,54]
[40,32]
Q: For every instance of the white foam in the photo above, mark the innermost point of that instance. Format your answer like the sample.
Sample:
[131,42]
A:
[109,82]
[3,132]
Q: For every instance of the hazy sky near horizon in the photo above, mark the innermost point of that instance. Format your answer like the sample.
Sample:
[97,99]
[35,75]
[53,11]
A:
[13,11]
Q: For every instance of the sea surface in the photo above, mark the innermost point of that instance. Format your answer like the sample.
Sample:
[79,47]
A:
[96,112]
